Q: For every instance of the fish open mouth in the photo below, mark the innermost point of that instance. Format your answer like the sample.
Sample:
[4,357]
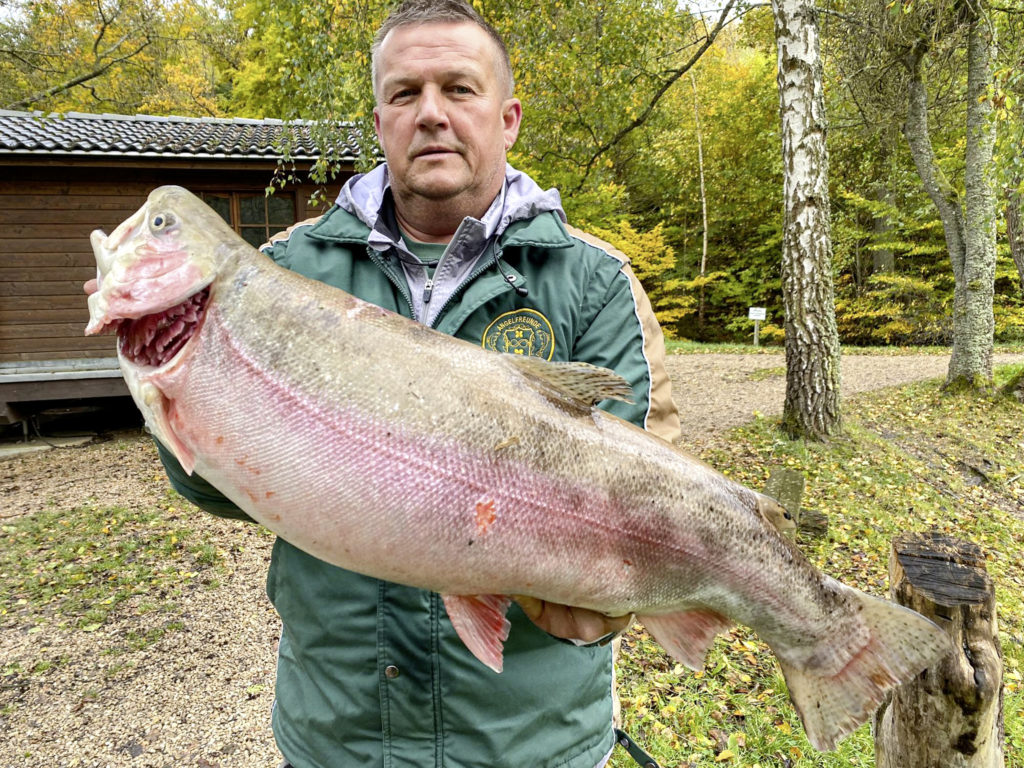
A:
[154,340]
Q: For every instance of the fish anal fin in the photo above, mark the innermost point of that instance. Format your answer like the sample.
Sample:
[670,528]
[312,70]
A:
[581,384]
[833,703]
[687,635]
[480,622]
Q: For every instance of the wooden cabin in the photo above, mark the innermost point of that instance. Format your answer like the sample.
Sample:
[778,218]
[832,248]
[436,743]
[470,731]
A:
[61,177]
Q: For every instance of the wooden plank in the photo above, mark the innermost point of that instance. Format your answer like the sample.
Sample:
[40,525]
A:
[27,356]
[56,229]
[44,314]
[50,204]
[11,259]
[65,245]
[90,185]
[46,274]
[41,331]
[69,301]
[55,288]
[18,273]
[35,346]
[48,215]
[62,390]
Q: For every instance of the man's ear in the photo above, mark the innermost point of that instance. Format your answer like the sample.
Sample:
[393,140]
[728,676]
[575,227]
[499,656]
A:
[376,127]
[512,117]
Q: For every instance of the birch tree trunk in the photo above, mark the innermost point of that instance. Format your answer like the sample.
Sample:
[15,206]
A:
[812,342]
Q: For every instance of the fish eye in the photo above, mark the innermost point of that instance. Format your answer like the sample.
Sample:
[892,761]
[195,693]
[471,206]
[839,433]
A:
[161,221]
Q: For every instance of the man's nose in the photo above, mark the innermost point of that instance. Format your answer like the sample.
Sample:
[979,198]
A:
[431,109]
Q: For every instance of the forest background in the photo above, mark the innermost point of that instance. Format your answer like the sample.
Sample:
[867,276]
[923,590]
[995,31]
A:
[658,123]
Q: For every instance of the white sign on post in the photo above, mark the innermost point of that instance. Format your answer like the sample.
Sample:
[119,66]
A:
[757,314]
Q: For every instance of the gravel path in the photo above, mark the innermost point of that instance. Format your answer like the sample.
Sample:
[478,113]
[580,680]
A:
[717,392]
[200,695]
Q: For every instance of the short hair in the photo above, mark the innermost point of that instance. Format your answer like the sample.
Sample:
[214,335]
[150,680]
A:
[415,12]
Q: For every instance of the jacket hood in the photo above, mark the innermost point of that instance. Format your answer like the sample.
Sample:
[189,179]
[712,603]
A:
[521,199]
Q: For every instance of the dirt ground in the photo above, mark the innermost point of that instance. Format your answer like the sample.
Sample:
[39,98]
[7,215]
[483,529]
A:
[201,695]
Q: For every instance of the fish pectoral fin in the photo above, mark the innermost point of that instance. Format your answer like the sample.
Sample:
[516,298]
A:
[480,623]
[161,418]
[833,703]
[581,384]
[687,636]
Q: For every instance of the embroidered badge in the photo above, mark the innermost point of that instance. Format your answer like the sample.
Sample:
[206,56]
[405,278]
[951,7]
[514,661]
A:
[521,332]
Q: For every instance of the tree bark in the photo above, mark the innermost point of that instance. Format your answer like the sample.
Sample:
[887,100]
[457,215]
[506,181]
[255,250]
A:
[969,227]
[1015,232]
[973,319]
[883,259]
[703,203]
[812,342]
[951,714]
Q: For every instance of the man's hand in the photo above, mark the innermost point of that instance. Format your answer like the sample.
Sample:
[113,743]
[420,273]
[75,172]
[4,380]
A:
[91,286]
[570,623]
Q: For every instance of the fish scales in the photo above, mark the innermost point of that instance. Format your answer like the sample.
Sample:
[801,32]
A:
[387,448]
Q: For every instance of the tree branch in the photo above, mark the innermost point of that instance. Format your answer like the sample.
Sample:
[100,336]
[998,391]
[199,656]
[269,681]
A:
[83,78]
[674,75]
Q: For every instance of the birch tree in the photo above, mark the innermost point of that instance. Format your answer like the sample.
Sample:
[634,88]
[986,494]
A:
[812,343]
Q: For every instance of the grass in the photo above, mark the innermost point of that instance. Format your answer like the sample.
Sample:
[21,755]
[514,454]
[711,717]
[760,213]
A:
[75,569]
[910,459]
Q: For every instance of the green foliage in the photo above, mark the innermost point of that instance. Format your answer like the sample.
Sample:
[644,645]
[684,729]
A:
[653,263]
[113,56]
[310,61]
[893,309]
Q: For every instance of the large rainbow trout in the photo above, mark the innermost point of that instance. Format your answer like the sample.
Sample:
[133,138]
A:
[384,447]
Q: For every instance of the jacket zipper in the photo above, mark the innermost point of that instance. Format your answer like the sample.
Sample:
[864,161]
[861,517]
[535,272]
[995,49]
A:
[402,285]
[481,268]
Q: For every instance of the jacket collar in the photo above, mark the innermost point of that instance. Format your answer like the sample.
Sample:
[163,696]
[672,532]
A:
[522,214]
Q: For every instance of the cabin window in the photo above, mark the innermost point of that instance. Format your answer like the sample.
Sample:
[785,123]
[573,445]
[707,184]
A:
[253,215]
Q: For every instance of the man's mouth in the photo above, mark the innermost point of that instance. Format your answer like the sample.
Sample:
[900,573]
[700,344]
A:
[435,152]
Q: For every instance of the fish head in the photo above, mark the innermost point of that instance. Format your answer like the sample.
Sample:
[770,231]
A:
[162,256]
[155,276]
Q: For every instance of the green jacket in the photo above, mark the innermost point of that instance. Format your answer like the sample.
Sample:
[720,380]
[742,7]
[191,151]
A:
[372,673]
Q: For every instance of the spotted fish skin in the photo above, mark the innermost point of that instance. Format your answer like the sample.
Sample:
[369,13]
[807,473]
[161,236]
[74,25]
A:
[384,447]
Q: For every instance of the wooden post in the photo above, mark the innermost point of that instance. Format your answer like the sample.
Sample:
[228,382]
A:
[951,715]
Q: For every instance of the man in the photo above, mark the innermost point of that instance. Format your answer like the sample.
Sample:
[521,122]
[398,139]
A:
[371,673]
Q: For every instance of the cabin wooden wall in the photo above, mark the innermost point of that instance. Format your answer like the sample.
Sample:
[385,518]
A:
[46,216]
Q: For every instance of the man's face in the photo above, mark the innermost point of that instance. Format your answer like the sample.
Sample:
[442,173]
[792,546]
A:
[443,116]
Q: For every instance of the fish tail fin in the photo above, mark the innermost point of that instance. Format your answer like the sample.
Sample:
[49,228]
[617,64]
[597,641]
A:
[686,635]
[901,644]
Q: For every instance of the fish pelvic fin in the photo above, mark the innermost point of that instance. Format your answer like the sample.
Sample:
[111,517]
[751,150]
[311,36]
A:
[687,636]
[480,622]
[901,643]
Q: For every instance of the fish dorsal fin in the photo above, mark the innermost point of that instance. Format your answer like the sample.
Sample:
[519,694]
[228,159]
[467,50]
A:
[580,384]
